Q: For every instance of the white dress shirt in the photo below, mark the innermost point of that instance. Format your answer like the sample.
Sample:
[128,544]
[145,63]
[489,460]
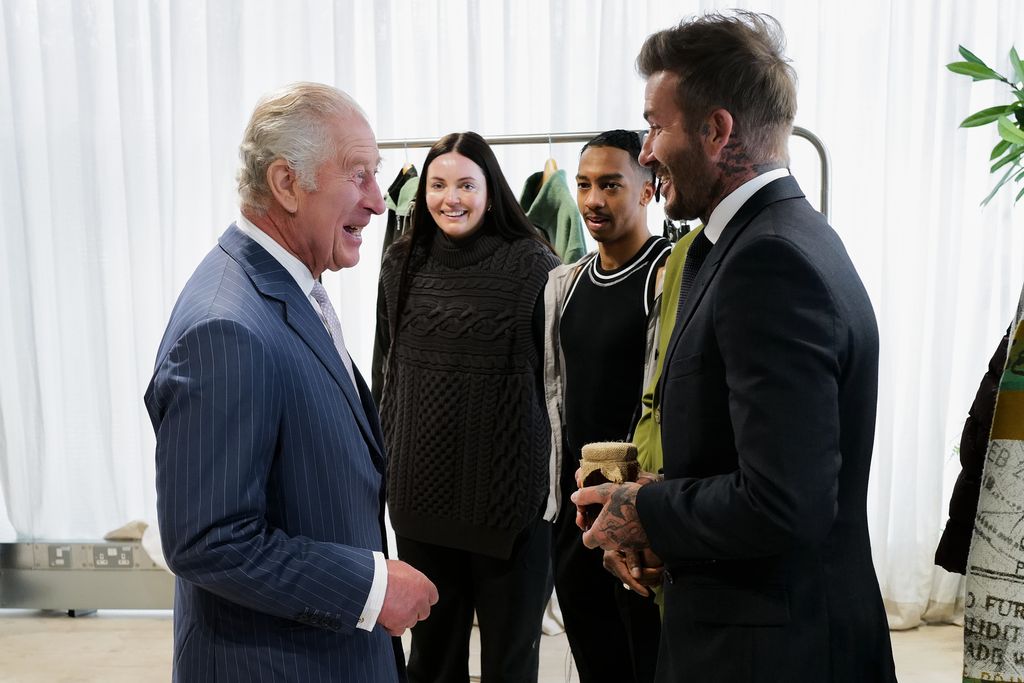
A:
[732,203]
[304,278]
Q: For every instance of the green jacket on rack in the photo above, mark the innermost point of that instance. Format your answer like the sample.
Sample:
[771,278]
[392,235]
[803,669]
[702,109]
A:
[551,206]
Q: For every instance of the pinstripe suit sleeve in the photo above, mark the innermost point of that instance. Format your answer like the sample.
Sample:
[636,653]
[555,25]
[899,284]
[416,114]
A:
[216,406]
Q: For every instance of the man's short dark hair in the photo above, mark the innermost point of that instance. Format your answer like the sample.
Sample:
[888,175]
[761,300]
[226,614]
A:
[626,140]
[735,62]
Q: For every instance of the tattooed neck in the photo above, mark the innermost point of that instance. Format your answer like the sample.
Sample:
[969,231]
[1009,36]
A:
[736,168]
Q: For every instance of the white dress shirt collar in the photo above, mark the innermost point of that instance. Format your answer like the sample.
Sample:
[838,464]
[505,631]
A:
[288,261]
[724,212]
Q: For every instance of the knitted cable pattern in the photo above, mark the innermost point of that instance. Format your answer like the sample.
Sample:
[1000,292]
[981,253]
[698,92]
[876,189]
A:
[463,417]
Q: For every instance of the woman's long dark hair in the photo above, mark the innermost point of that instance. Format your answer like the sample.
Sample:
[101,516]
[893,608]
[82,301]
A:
[504,215]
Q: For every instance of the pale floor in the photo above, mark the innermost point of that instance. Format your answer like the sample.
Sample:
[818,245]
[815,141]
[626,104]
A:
[113,646]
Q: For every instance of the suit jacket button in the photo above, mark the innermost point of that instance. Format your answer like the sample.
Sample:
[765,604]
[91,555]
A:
[657,416]
[668,577]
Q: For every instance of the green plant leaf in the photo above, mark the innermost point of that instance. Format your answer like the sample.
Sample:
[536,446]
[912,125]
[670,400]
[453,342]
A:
[978,72]
[995,189]
[969,56]
[1009,131]
[1019,195]
[1017,178]
[1018,67]
[1015,153]
[984,116]
[998,150]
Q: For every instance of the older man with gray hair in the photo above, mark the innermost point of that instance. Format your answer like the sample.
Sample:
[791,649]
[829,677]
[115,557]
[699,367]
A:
[270,487]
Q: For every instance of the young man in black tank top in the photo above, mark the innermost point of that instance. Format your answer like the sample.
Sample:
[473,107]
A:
[597,326]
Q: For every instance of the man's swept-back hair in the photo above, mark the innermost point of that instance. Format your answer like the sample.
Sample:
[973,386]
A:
[734,62]
[626,140]
[294,124]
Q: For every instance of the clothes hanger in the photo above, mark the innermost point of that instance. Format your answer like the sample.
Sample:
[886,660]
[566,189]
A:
[550,166]
[407,165]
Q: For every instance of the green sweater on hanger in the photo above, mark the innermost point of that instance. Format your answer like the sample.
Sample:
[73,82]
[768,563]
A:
[551,206]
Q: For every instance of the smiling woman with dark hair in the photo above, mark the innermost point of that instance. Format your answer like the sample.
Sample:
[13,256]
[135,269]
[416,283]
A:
[460,320]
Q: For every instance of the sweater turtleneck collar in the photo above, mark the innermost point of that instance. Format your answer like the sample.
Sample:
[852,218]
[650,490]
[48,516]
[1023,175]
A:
[463,252]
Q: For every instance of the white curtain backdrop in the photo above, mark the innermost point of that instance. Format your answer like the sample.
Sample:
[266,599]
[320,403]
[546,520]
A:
[119,125]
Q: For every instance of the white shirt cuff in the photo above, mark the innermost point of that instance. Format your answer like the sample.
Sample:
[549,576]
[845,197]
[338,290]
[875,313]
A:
[375,600]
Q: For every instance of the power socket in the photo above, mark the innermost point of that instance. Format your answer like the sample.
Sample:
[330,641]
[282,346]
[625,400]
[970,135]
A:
[113,557]
[59,556]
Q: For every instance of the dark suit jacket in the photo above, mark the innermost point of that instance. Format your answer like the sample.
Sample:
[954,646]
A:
[269,481]
[767,420]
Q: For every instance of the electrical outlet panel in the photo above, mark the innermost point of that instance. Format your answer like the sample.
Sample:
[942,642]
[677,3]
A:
[59,556]
[112,557]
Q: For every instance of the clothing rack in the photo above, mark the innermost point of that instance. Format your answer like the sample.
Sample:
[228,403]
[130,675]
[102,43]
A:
[552,138]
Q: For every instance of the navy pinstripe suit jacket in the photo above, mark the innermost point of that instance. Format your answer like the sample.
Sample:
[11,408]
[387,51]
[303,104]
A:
[269,481]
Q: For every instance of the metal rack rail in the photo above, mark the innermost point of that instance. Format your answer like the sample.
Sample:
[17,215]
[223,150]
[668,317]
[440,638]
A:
[824,159]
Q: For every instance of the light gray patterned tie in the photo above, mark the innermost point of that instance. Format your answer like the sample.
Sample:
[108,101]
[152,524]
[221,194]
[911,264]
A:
[330,319]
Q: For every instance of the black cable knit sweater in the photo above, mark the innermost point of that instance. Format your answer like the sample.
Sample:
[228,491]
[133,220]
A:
[464,418]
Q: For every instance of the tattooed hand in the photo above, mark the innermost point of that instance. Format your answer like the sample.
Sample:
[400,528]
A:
[618,526]
[636,570]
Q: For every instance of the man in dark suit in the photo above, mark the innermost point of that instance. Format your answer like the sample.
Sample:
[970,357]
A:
[768,390]
[269,454]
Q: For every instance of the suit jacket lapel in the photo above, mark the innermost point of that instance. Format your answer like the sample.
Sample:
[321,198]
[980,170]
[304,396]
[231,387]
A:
[370,411]
[775,191]
[272,280]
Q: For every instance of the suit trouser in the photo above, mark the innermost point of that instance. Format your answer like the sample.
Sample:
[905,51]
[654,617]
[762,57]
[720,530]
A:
[508,596]
[613,633]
